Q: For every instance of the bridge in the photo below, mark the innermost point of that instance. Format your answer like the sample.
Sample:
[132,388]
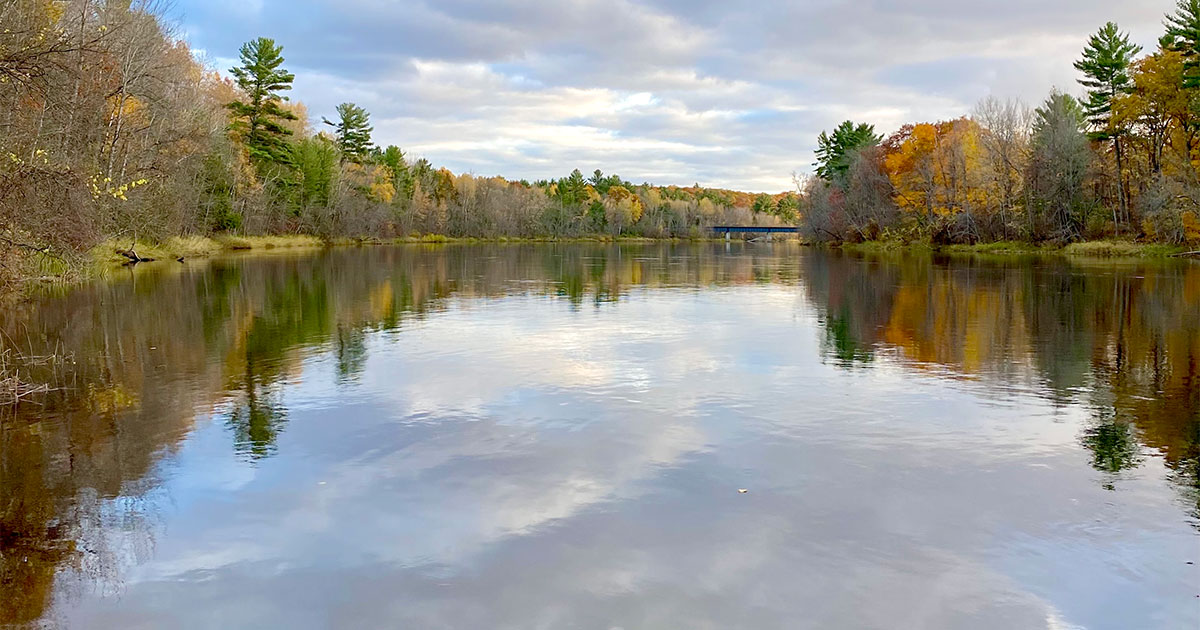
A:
[728,230]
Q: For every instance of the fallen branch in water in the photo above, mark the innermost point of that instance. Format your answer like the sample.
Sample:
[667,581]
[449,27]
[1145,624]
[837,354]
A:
[1182,254]
[133,256]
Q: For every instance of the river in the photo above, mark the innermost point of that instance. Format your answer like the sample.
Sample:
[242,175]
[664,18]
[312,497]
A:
[607,436]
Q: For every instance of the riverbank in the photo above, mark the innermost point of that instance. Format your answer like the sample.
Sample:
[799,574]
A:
[186,247]
[1086,249]
[112,254]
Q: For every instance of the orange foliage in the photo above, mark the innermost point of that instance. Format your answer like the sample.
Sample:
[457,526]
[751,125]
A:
[938,169]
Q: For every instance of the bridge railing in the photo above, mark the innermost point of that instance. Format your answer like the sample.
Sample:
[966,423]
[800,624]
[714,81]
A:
[754,229]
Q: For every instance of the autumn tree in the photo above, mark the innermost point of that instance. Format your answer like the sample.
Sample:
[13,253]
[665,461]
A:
[937,171]
[835,151]
[258,119]
[622,208]
[353,132]
[1105,66]
[1005,139]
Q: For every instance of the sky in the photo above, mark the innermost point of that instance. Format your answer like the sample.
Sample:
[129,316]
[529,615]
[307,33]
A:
[724,94]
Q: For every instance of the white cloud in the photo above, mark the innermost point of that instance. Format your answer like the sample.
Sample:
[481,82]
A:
[663,90]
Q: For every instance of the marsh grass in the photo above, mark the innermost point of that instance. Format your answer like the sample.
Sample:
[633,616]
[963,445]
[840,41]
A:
[1087,249]
[1121,249]
[199,246]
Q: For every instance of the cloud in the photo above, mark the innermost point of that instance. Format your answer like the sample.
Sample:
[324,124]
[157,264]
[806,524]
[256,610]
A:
[670,91]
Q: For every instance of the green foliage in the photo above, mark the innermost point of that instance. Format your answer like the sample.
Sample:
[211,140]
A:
[596,216]
[217,193]
[353,132]
[603,183]
[316,160]
[836,152]
[257,119]
[572,190]
[763,204]
[1183,35]
[788,208]
[1058,169]
[1105,66]
[393,159]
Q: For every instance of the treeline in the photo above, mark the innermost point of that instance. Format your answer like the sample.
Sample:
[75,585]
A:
[113,130]
[1121,161]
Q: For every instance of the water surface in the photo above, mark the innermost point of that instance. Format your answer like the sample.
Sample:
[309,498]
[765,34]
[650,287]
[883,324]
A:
[555,436]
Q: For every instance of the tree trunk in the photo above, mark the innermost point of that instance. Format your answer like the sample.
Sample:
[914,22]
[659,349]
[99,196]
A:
[1122,203]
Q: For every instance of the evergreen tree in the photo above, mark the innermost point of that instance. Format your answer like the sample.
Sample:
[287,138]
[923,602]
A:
[1058,169]
[1105,68]
[316,169]
[572,189]
[763,204]
[393,159]
[1183,35]
[257,119]
[353,132]
[836,152]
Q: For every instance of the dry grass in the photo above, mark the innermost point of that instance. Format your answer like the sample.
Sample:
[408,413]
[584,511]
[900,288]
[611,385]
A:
[14,388]
[1121,249]
[199,246]
[231,242]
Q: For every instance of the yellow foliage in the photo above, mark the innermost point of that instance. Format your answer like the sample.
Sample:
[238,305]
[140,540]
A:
[1191,226]
[938,169]
[624,198]
[374,181]
[105,187]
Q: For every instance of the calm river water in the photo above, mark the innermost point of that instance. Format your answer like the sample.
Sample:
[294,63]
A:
[556,436]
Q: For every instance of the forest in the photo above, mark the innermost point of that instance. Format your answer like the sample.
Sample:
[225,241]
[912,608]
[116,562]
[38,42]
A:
[114,132]
[1119,162]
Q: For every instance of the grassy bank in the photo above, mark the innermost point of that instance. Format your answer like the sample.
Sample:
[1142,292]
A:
[203,247]
[1088,249]
[198,247]
[107,256]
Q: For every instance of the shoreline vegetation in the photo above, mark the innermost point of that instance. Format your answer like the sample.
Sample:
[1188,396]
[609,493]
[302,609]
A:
[183,249]
[115,133]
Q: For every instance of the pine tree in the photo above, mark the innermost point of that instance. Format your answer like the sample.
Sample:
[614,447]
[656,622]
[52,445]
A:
[836,152]
[353,132]
[1183,35]
[1105,66]
[393,159]
[257,119]
[572,189]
